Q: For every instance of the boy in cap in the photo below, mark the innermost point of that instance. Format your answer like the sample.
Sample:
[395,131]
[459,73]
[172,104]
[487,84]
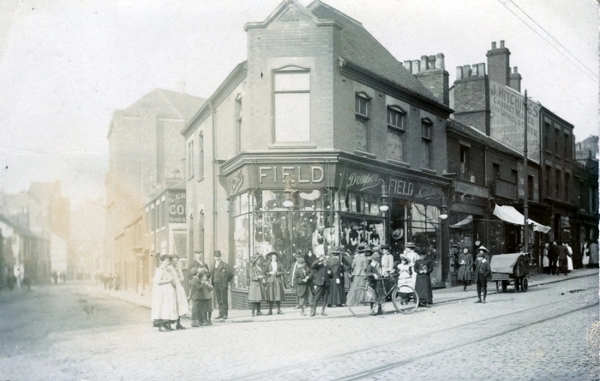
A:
[482,272]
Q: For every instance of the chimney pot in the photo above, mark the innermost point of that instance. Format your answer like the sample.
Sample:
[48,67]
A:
[439,62]
[466,71]
[501,43]
[481,69]
[423,63]
[415,66]
[408,65]
[515,69]
[459,72]
[432,63]
[493,45]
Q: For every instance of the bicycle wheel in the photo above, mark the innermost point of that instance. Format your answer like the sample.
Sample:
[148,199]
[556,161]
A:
[360,301]
[405,299]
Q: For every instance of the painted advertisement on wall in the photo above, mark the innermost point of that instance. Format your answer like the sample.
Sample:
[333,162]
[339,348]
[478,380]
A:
[507,120]
[177,206]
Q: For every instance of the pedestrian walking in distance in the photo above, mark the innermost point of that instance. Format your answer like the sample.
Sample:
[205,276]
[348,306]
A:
[274,292]
[337,296]
[302,280]
[553,255]
[563,259]
[222,275]
[482,272]
[256,290]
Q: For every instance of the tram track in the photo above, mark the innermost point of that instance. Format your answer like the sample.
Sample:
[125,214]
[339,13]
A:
[387,367]
[510,328]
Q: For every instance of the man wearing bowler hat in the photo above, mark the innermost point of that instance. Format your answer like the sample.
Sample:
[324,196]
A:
[222,275]
[482,272]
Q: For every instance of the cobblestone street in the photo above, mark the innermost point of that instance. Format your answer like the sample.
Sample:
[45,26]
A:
[74,332]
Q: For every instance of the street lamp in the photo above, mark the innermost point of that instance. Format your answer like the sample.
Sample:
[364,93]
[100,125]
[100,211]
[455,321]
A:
[444,209]
[383,200]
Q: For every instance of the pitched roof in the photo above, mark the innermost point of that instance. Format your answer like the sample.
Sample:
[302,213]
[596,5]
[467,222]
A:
[181,104]
[362,49]
[475,134]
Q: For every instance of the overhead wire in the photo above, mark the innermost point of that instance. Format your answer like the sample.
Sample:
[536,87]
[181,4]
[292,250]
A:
[552,37]
[543,38]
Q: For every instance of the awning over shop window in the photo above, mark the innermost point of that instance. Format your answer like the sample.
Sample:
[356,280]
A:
[512,216]
[463,223]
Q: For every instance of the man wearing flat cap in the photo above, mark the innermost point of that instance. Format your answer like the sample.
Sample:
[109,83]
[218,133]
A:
[320,280]
[222,275]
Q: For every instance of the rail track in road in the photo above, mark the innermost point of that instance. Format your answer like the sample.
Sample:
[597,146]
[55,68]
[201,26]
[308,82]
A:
[385,357]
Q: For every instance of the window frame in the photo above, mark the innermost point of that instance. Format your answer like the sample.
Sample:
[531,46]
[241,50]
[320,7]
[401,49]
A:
[190,165]
[290,70]
[238,119]
[400,129]
[426,126]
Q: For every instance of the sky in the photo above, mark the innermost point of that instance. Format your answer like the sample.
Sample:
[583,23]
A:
[66,65]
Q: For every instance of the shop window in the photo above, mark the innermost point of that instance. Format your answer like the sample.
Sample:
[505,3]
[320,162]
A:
[396,119]
[362,118]
[426,138]
[292,106]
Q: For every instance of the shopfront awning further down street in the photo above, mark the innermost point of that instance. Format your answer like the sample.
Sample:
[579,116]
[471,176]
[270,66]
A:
[464,222]
[512,216]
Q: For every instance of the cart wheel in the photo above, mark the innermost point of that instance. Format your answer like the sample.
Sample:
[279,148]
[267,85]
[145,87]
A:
[504,285]
[524,284]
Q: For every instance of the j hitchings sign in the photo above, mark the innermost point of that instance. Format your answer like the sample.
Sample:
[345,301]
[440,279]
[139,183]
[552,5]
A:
[508,118]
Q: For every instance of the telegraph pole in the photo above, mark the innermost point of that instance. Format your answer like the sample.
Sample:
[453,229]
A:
[525,188]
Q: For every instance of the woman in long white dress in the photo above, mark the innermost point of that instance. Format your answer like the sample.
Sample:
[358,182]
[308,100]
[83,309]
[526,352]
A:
[164,302]
[183,307]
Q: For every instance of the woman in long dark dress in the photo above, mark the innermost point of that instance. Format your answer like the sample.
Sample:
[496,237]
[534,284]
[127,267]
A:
[274,290]
[464,271]
[337,296]
[256,290]
[423,268]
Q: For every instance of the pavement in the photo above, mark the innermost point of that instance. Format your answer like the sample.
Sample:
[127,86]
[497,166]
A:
[440,296]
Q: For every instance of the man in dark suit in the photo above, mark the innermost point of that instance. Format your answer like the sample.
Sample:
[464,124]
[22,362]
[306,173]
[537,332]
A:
[222,275]
[200,264]
[482,272]
[320,280]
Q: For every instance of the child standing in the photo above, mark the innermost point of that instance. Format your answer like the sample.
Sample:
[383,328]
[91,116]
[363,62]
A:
[194,297]
[205,300]
[404,279]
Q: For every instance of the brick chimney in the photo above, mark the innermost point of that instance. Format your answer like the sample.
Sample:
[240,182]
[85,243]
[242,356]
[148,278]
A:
[515,80]
[471,97]
[431,72]
[499,64]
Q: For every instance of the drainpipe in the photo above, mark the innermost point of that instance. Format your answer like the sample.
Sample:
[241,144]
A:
[214,177]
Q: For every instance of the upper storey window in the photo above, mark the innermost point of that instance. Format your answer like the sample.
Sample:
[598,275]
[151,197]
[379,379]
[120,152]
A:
[292,105]
[362,112]
[396,124]
[426,142]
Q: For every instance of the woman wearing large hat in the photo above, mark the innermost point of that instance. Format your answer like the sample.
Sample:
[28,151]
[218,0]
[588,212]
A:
[423,269]
[274,292]
[359,271]
[256,290]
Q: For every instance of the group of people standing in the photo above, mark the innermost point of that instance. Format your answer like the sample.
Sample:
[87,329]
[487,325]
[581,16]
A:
[169,299]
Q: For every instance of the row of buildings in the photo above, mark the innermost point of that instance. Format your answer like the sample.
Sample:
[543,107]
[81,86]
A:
[34,234]
[322,133]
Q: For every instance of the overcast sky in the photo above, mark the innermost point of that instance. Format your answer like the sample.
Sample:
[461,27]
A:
[66,65]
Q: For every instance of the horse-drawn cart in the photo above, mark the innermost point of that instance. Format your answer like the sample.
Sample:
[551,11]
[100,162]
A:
[510,268]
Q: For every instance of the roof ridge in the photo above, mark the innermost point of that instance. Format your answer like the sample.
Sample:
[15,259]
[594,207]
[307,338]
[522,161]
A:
[318,2]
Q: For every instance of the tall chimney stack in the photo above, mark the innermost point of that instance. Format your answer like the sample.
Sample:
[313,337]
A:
[430,71]
[499,64]
[515,79]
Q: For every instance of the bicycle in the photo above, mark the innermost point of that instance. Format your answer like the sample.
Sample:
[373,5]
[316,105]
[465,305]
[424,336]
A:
[362,301]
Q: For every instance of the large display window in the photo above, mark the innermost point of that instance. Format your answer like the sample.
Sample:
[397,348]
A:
[262,224]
